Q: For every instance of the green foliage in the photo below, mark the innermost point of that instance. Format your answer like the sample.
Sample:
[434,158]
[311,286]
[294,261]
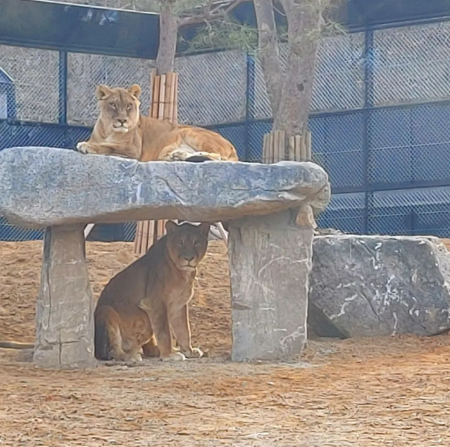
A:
[222,32]
[227,34]
[230,34]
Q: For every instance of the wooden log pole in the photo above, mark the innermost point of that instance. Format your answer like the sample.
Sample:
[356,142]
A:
[277,147]
[164,106]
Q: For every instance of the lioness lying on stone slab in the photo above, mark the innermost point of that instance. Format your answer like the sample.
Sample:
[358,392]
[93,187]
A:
[123,131]
[140,305]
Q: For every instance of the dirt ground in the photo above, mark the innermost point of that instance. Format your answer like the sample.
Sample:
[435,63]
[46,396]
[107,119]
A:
[359,392]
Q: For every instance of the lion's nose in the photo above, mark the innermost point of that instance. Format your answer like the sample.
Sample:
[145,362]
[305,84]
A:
[122,121]
[188,259]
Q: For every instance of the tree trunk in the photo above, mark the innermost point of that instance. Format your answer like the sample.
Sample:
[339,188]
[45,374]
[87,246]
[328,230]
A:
[269,54]
[304,22]
[168,32]
[290,92]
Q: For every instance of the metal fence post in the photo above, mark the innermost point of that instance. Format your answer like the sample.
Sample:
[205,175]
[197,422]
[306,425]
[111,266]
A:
[62,84]
[250,102]
[11,106]
[368,104]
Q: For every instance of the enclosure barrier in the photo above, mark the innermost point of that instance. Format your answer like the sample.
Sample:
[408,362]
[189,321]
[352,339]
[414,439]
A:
[383,141]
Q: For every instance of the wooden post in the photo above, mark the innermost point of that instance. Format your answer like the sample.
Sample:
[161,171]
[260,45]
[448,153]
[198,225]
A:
[164,106]
[277,147]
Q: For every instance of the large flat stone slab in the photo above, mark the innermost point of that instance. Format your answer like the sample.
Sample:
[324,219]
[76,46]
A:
[379,285]
[42,187]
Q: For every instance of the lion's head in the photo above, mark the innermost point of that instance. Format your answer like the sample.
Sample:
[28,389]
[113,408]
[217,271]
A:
[119,108]
[186,244]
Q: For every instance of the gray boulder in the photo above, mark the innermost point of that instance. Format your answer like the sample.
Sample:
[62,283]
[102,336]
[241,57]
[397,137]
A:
[40,187]
[379,285]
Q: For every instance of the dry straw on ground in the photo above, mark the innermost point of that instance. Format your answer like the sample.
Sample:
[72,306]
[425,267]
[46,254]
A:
[363,393]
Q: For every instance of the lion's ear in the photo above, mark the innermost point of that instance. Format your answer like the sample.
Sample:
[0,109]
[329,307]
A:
[102,91]
[204,228]
[135,90]
[171,226]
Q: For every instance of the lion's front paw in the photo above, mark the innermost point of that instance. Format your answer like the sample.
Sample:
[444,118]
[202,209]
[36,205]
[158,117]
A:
[136,358]
[174,357]
[83,147]
[194,353]
[177,156]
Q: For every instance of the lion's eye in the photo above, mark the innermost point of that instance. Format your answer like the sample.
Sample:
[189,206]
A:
[180,243]
[197,243]
[129,107]
[113,106]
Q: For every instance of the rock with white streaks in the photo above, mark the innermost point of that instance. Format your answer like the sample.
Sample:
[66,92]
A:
[65,306]
[379,285]
[270,263]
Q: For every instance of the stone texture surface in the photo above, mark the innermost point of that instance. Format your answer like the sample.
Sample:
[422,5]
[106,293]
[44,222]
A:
[64,314]
[270,260]
[379,285]
[41,187]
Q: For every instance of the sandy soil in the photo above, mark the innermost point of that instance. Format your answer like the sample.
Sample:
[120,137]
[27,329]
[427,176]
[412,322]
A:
[20,274]
[368,392]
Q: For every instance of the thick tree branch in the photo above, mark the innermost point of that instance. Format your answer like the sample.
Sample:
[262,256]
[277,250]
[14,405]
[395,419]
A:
[269,53]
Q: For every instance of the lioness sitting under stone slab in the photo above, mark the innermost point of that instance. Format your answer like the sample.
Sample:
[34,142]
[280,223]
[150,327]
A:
[140,305]
[123,131]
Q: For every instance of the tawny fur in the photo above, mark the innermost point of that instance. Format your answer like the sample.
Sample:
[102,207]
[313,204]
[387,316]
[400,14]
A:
[142,304]
[123,131]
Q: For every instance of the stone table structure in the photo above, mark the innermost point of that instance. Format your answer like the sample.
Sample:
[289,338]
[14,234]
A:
[269,210]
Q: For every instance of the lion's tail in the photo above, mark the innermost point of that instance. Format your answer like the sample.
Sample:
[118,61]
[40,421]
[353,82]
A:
[16,345]
[101,339]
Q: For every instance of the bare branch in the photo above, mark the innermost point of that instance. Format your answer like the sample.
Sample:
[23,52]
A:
[210,14]
[279,11]
[208,6]
[233,5]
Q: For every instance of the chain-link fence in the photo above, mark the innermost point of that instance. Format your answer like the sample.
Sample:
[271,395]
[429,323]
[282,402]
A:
[379,118]
[86,71]
[212,88]
[411,64]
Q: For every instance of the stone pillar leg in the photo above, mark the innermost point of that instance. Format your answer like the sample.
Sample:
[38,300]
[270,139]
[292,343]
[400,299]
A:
[270,259]
[65,308]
